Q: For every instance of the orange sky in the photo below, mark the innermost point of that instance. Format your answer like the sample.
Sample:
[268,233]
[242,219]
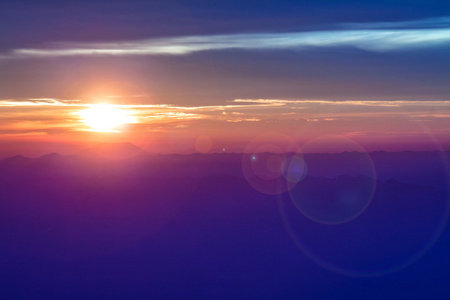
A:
[158,128]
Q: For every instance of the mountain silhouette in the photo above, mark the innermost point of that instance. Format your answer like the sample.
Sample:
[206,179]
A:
[113,150]
[149,222]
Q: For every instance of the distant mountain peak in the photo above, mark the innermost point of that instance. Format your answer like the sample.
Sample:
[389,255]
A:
[114,150]
[16,158]
[49,156]
[16,161]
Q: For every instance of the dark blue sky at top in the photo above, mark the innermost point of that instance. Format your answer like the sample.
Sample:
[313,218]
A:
[29,22]
[337,72]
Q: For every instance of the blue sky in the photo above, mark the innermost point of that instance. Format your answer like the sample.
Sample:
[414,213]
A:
[221,50]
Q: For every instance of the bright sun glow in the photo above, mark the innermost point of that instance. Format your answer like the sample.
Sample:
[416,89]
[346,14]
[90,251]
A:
[105,117]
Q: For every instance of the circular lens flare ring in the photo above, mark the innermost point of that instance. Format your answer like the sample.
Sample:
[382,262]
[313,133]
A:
[346,187]
[272,163]
[290,214]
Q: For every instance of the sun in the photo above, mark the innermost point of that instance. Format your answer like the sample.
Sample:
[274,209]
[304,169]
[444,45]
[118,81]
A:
[105,117]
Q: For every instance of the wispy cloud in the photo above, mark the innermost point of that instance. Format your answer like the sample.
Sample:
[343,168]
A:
[380,103]
[38,102]
[56,117]
[62,102]
[442,22]
[46,113]
[385,36]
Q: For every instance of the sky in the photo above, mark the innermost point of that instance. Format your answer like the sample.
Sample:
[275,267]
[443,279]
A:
[211,76]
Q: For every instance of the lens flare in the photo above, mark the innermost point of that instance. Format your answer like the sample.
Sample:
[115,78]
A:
[328,196]
[366,241]
[272,163]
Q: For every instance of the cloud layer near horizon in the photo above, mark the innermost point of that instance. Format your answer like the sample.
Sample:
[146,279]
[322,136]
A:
[240,118]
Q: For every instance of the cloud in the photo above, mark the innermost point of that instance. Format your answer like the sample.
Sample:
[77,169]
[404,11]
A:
[240,117]
[47,113]
[380,103]
[381,37]
[38,102]
[442,22]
